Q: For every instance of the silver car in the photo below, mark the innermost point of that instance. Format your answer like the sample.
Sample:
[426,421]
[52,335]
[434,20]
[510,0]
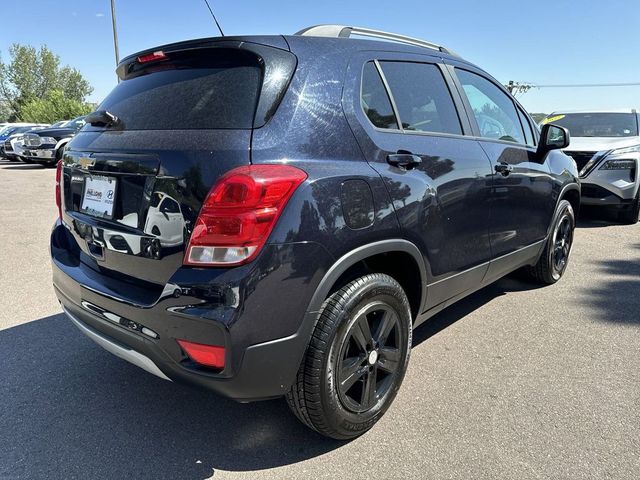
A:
[606,148]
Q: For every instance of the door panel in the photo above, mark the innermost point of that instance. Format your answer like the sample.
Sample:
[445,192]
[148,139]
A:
[442,203]
[522,200]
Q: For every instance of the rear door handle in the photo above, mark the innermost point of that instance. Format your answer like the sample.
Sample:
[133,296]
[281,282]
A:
[403,159]
[504,169]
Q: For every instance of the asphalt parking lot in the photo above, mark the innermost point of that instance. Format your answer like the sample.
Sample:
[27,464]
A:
[513,382]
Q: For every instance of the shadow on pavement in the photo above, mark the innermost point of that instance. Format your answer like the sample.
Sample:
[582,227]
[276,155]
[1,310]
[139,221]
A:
[71,410]
[18,165]
[594,217]
[462,308]
[617,297]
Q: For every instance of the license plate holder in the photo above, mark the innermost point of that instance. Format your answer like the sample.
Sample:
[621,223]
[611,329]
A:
[99,196]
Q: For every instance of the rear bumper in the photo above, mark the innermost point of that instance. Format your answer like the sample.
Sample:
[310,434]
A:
[264,342]
[118,350]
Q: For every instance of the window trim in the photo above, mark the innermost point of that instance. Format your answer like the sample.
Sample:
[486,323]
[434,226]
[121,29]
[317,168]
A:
[386,90]
[523,113]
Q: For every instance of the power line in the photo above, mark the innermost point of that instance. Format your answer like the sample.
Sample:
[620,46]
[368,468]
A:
[578,85]
[214,17]
[518,88]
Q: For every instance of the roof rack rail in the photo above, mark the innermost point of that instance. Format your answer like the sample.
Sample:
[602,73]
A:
[345,31]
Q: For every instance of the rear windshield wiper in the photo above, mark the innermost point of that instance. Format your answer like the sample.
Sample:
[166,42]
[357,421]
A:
[102,118]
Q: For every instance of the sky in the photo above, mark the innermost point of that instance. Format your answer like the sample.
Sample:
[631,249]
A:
[546,42]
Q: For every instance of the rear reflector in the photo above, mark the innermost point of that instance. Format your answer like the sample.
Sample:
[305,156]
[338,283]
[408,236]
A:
[207,355]
[59,188]
[239,214]
[152,57]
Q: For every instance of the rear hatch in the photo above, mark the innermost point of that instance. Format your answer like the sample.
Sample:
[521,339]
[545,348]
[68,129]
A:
[132,189]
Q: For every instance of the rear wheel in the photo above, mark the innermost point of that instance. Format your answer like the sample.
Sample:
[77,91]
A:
[356,359]
[631,215]
[555,257]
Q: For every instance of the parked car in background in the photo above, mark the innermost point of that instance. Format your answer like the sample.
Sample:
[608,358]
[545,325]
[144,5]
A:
[46,146]
[14,145]
[281,212]
[6,149]
[60,124]
[606,148]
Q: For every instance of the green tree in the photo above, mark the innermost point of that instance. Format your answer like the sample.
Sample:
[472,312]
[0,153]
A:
[53,107]
[32,74]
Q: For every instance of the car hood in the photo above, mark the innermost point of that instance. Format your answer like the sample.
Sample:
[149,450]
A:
[597,144]
[54,132]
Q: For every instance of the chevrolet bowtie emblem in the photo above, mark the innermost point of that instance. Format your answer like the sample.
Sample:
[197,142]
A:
[86,162]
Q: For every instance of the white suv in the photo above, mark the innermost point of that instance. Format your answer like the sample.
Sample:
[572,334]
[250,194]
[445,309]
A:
[606,148]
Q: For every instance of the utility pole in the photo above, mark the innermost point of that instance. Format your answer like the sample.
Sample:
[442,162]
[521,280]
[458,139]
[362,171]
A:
[518,87]
[115,31]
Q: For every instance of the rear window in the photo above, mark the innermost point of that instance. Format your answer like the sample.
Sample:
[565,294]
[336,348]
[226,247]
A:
[203,90]
[422,97]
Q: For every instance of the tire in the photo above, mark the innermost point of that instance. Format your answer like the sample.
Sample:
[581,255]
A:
[631,215]
[54,163]
[330,394]
[554,259]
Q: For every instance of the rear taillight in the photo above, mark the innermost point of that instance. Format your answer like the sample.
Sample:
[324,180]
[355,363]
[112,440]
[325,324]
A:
[239,214]
[59,188]
[207,355]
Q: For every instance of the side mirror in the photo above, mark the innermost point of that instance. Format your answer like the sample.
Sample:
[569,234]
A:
[553,137]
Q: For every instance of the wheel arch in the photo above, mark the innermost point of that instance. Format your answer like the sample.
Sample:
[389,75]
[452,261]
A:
[571,193]
[366,258]
[61,143]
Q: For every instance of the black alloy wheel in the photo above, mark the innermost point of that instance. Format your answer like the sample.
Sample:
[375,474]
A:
[555,257]
[562,241]
[369,357]
[356,359]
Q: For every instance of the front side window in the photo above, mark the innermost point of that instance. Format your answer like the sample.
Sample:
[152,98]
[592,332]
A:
[422,97]
[494,111]
[374,99]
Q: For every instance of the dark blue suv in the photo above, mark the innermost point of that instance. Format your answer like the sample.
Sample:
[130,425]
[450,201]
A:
[271,216]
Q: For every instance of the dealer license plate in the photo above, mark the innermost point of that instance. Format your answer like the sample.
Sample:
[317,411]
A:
[99,196]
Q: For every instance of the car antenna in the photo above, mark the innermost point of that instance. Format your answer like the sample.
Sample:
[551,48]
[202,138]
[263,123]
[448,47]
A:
[214,18]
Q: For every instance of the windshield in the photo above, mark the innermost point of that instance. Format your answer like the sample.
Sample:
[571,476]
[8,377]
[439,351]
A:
[597,124]
[75,124]
[23,129]
[6,131]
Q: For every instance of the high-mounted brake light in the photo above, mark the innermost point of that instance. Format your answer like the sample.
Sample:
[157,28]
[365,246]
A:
[239,214]
[59,188]
[151,57]
[207,355]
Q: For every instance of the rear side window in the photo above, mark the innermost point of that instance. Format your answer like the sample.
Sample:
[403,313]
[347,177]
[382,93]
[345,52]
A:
[209,90]
[493,109]
[375,101]
[422,97]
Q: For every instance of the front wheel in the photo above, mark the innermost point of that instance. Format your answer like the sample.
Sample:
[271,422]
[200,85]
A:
[554,259]
[356,359]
